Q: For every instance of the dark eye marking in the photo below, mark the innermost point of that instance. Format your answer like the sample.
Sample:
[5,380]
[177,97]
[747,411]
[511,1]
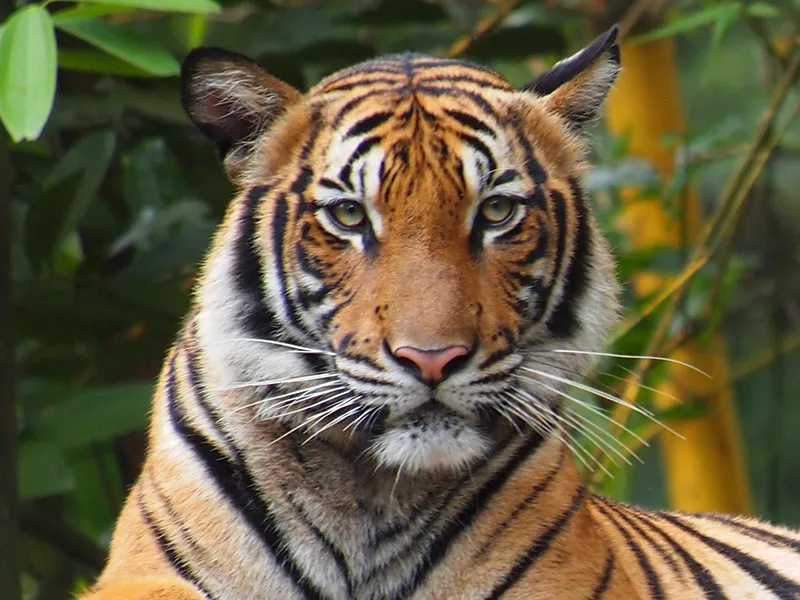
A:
[481,148]
[332,185]
[364,147]
[506,176]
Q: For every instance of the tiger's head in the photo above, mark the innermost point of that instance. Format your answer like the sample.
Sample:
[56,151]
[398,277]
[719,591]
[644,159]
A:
[410,265]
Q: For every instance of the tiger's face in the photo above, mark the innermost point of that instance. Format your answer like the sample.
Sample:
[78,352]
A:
[410,245]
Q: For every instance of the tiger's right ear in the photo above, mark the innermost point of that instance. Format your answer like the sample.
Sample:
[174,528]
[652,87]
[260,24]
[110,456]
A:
[232,100]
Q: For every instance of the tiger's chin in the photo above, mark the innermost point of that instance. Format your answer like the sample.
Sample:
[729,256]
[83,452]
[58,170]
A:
[430,440]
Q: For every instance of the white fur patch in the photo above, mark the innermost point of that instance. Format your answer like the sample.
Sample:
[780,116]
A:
[442,442]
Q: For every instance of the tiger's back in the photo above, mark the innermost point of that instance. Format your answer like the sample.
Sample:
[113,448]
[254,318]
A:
[366,400]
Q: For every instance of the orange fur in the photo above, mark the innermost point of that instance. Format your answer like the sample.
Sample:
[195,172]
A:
[278,471]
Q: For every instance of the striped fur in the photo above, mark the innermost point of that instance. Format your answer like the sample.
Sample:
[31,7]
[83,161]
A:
[294,453]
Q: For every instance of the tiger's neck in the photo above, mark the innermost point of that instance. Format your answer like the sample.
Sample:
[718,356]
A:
[357,521]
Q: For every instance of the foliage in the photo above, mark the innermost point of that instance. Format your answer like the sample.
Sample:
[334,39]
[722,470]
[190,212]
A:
[115,197]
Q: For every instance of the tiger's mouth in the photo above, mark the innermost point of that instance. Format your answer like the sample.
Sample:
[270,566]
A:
[432,437]
[435,437]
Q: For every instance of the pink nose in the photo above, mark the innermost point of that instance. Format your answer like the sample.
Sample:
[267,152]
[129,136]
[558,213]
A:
[430,363]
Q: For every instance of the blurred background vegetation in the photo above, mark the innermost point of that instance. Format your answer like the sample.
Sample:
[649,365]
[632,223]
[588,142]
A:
[108,198]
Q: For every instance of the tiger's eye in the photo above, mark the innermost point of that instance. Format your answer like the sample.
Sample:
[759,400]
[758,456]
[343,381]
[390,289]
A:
[348,214]
[498,209]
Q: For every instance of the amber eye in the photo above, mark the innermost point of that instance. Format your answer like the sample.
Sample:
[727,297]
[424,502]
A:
[498,209]
[348,214]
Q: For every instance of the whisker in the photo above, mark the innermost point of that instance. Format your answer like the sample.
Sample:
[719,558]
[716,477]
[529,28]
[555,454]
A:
[591,390]
[307,407]
[301,379]
[632,356]
[609,437]
[340,418]
[587,406]
[571,424]
[307,422]
[595,372]
[638,380]
[356,422]
[397,479]
[575,446]
[583,424]
[289,397]
[281,344]
[547,428]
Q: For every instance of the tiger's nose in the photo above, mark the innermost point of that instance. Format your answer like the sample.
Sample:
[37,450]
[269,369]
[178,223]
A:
[431,366]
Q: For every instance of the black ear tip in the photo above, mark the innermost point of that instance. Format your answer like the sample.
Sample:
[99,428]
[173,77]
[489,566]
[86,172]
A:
[612,34]
[607,42]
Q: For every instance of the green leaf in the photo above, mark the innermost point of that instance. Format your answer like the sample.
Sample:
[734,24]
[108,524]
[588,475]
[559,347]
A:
[124,44]
[94,414]
[86,12]
[93,61]
[43,471]
[185,6]
[692,21]
[90,156]
[27,72]
[720,14]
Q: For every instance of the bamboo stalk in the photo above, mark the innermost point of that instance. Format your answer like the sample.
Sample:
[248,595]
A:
[705,471]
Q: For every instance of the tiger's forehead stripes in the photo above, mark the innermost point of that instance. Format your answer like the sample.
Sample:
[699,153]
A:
[411,72]
[398,76]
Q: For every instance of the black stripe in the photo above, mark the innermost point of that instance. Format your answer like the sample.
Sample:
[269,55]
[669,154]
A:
[563,321]
[349,106]
[280,221]
[302,180]
[653,582]
[559,232]
[471,122]
[428,79]
[605,579]
[313,135]
[539,250]
[702,576]
[395,85]
[258,321]
[460,94]
[198,393]
[166,547]
[508,236]
[539,547]
[479,146]
[756,568]
[506,176]
[335,552]
[468,514]
[754,532]
[537,491]
[666,556]
[331,184]
[237,484]
[535,171]
[363,147]
[423,61]
[367,124]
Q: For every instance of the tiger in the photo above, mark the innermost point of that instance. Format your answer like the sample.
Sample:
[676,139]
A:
[366,399]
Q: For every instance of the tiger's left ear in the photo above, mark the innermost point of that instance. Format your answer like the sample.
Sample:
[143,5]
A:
[576,87]
[233,100]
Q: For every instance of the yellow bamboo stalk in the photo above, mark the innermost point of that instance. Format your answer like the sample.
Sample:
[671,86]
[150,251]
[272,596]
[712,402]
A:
[705,471]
